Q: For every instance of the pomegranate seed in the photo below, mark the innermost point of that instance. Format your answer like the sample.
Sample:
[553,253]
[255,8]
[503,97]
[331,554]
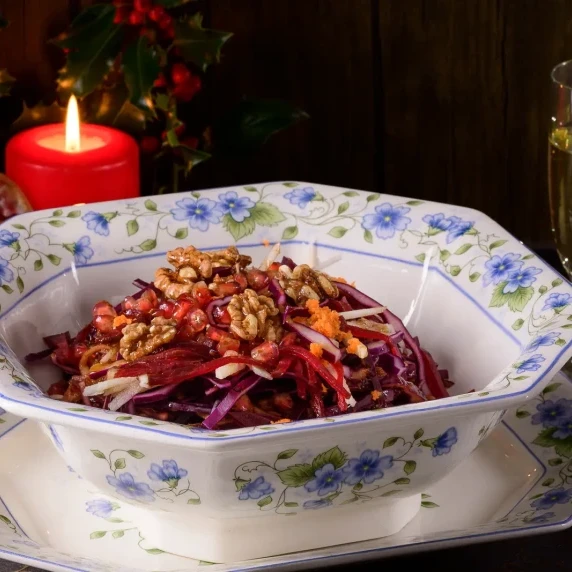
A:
[221,316]
[227,344]
[79,350]
[103,324]
[197,320]
[227,288]
[283,402]
[156,13]
[103,309]
[129,303]
[150,297]
[266,352]
[182,308]
[216,334]
[166,309]
[202,296]
[136,18]
[257,279]
[288,340]
[240,279]
[58,388]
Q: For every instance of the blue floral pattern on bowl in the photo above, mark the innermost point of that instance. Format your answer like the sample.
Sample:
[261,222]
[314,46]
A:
[333,477]
[507,281]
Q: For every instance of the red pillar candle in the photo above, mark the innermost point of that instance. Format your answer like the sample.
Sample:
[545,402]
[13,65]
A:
[60,165]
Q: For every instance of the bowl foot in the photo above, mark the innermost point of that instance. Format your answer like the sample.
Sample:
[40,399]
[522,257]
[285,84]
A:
[235,539]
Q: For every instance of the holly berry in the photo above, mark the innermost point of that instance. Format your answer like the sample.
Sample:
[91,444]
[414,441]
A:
[180,74]
[150,145]
[166,22]
[160,81]
[136,18]
[143,5]
[121,14]
[191,142]
[179,130]
[186,91]
[156,13]
[149,33]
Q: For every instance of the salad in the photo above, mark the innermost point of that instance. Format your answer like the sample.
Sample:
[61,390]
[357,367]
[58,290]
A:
[215,342]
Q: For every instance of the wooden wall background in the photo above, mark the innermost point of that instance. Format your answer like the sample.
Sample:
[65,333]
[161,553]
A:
[439,99]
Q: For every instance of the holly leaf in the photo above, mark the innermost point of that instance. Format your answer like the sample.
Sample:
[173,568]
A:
[266,214]
[39,115]
[296,475]
[141,66]
[238,230]
[247,126]
[188,156]
[6,82]
[334,456]
[93,41]
[112,106]
[199,45]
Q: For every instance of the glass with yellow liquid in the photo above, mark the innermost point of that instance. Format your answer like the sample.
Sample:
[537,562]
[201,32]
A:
[560,162]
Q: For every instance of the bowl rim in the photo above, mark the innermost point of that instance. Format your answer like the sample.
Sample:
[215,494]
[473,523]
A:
[46,409]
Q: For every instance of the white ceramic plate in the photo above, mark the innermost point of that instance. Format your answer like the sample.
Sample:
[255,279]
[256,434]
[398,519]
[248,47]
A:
[518,477]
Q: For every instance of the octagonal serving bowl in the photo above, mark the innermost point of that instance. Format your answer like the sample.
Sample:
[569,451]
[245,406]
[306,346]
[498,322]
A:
[492,313]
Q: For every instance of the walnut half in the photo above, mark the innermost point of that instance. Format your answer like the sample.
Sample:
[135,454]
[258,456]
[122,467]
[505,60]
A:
[253,315]
[141,339]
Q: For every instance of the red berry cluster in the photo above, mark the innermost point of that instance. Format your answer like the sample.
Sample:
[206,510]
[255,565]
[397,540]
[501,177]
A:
[152,19]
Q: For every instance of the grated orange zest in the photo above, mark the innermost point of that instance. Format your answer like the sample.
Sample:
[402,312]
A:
[375,394]
[120,320]
[353,345]
[316,349]
[266,242]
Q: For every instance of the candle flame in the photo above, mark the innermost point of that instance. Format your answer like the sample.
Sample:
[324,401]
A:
[73,139]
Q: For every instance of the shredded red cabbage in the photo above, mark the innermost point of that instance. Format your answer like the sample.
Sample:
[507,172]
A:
[240,347]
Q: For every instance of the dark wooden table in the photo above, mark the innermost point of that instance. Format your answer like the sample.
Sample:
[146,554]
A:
[548,552]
